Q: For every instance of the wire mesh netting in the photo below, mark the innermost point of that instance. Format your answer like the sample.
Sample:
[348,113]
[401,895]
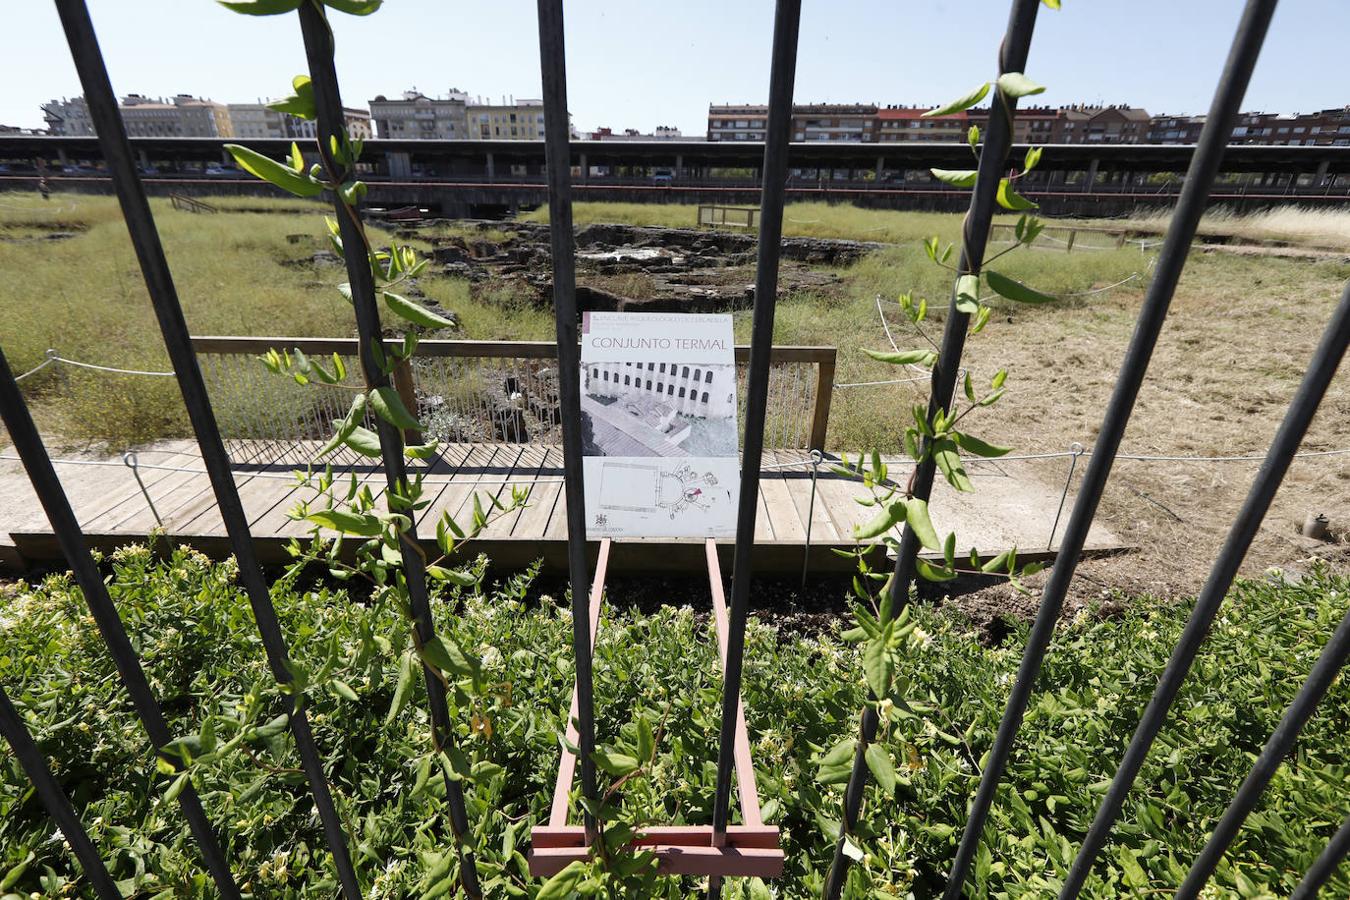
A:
[270,420]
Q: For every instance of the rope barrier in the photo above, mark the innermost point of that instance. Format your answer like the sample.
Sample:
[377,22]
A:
[287,476]
[52,356]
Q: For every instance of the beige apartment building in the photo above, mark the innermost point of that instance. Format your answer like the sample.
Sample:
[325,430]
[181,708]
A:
[512,120]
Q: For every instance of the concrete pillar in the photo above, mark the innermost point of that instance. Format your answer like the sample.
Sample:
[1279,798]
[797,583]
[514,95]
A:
[1322,172]
[61,157]
[143,157]
[1091,180]
[491,168]
[881,168]
[585,168]
[400,165]
[679,165]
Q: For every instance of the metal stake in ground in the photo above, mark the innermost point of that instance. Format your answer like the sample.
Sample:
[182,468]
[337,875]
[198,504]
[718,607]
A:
[783,71]
[318,38]
[1199,180]
[557,151]
[57,803]
[1290,435]
[66,528]
[112,139]
[974,239]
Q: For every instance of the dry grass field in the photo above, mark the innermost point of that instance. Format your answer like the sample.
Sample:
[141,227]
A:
[1240,331]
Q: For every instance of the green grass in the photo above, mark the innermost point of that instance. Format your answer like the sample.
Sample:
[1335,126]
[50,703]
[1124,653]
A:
[825,220]
[192,626]
[85,297]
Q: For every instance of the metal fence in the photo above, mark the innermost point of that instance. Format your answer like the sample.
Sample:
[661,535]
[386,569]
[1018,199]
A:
[1012,57]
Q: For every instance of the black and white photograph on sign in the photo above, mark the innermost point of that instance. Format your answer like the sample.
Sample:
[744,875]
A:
[659,424]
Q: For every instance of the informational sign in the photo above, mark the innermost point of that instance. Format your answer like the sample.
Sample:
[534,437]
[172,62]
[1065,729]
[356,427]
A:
[658,424]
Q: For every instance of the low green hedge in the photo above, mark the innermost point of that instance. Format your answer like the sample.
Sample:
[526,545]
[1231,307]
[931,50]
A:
[193,628]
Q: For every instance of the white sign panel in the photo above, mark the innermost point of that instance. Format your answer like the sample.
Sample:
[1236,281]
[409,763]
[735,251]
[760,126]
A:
[659,429]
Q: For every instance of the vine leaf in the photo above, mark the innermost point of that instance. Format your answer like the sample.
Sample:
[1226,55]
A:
[354,7]
[1015,290]
[389,406]
[449,658]
[273,172]
[963,178]
[929,572]
[879,761]
[564,883]
[262,7]
[904,357]
[965,102]
[404,689]
[364,441]
[890,516]
[877,666]
[611,762]
[1015,84]
[1010,199]
[949,461]
[415,313]
[347,426]
[457,577]
[301,103]
[916,515]
[974,445]
[346,522]
[968,294]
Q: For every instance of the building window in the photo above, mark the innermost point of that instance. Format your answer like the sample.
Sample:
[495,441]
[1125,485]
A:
[681,393]
[685,373]
[650,366]
[663,368]
[606,376]
[649,384]
[705,396]
[707,378]
[626,381]
[660,387]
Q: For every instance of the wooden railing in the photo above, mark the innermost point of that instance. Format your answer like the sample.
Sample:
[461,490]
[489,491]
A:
[464,392]
[190,204]
[711,216]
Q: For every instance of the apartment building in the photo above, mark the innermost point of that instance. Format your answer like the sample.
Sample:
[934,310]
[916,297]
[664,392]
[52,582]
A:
[737,123]
[511,120]
[897,124]
[68,117]
[256,120]
[181,116]
[854,123]
[415,116]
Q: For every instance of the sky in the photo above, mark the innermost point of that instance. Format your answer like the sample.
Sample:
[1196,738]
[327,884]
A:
[640,64]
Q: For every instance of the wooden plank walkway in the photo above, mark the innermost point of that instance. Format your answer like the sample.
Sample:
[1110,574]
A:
[112,509]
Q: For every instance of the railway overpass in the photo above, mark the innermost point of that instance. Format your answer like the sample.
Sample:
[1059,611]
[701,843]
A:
[459,178]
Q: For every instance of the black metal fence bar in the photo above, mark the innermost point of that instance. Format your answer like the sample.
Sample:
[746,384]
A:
[782,75]
[117,152]
[1200,178]
[558,156]
[1320,872]
[58,804]
[1281,742]
[997,141]
[318,40]
[1237,72]
[66,528]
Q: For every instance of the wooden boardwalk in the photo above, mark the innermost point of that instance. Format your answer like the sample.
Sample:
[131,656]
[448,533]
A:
[1009,508]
